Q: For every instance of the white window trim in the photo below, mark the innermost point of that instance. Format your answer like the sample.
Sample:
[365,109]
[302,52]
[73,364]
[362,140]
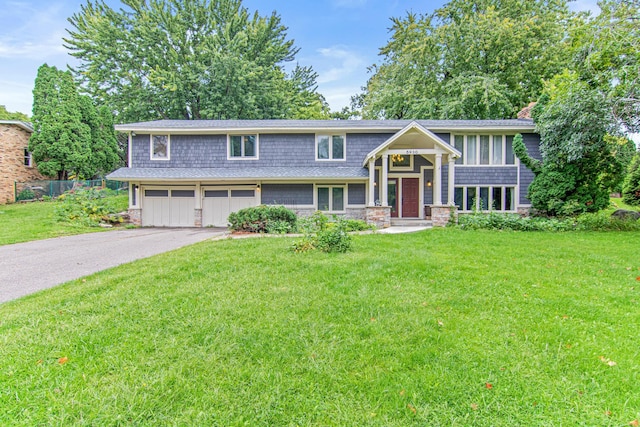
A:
[243,157]
[331,159]
[331,187]
[465,151]
[490,187]
[401,168]
[161,159]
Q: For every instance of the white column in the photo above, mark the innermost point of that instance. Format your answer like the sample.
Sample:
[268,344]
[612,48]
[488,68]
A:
[372,182]
[452,165]
[384,186]
[437,181]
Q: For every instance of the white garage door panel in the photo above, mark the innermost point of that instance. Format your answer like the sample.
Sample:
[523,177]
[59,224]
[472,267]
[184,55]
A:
[218,204]
[215,208]
[183,205]
[168,207]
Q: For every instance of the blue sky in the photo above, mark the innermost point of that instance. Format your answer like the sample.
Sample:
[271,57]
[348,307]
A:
[340,39]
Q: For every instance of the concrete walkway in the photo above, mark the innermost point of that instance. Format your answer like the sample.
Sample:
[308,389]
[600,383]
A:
[28,267]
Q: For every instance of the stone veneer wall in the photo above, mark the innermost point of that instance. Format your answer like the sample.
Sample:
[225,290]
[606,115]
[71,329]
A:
[440,215]
[135,216]
[13,141]
[380,216]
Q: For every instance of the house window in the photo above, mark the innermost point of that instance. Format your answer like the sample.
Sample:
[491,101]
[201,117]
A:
[330,147]
[401,162]
[243,147]
[160,147]
[27,158]
[458,143]
[484,149]
[485,198]
[331,199]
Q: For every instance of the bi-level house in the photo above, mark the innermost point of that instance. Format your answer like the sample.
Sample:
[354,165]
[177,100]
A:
[185,173]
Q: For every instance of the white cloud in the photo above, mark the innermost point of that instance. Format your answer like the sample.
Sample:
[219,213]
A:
[11,47]
[339,96]
[341,62]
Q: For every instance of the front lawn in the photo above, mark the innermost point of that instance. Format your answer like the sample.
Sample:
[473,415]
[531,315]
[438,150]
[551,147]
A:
[438,328]
[23,222]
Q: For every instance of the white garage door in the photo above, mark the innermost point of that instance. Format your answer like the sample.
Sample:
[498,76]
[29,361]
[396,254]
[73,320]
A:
[168,207]
[217,204]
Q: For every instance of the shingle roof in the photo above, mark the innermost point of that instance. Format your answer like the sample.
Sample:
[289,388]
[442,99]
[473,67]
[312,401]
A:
[131,174]
[293,125]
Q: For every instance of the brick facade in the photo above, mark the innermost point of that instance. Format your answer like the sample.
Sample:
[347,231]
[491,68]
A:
[14,138]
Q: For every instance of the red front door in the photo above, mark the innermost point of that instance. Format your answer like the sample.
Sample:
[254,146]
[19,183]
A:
[410,197]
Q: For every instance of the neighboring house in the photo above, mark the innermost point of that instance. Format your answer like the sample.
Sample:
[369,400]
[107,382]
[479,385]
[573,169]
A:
[16,163]
[195,173]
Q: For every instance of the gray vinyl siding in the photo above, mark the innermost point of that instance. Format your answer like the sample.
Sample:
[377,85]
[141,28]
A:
[428,191]
[445,184]
[208,151]
[532,142]
[357,194]
[484,175]
[287,194]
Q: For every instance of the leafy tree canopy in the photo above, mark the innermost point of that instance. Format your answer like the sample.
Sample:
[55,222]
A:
[606,55]
[190,59]
[581,160]
[71,138]
[469,59]
[7,115]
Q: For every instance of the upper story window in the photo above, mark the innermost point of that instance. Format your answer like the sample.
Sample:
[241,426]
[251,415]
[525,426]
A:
[28,160]
[160,146]
[484,149]
[401,162]
[242,147]
[330,147]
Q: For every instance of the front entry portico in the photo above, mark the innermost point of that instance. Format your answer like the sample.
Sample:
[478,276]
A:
[404,195]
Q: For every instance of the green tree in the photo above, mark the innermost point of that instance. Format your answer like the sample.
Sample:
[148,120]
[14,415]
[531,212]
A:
[579,162]
[631,186]
[7,115]
[469,59]
[61,142]
[606,54]
[188,59]
[71,138]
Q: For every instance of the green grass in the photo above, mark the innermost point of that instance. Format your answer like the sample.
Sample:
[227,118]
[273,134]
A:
[23,222]
[617,203]
[439,328]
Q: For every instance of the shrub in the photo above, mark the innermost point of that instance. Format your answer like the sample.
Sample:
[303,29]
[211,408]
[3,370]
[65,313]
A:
[631,186]
[320,233]
[598,221]
[26,194]
[87,207]
[263,219]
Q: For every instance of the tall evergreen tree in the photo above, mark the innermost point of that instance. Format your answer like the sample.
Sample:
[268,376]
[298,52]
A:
[61,142]
[71,138]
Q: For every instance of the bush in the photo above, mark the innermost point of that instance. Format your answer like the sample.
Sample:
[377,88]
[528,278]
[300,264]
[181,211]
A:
[320,233]
[87,207]
[598,221]
[26,194]
[263,219]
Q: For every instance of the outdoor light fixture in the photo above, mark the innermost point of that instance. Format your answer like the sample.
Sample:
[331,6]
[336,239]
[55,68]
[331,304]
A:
[428,183]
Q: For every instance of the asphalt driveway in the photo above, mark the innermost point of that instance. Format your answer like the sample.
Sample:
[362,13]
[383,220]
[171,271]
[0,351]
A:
[29,267]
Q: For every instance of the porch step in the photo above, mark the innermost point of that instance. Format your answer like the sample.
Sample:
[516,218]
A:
[403,222]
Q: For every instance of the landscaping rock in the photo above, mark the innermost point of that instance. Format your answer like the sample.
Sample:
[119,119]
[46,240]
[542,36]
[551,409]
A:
[625,214]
